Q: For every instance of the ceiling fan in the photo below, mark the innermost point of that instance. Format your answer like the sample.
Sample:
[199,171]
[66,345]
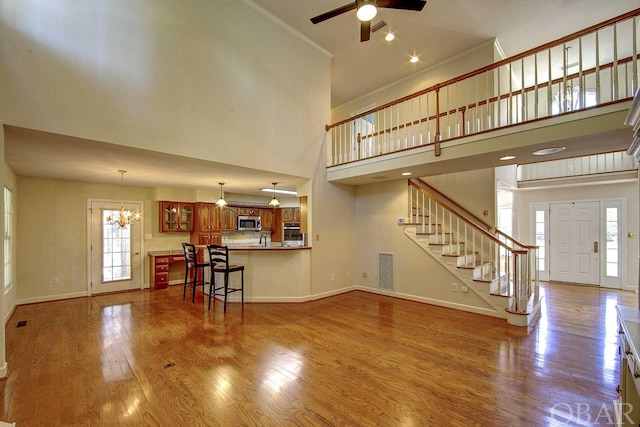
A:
[366,11]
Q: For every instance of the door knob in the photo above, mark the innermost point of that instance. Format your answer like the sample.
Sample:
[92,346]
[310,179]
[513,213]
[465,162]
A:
[595,247]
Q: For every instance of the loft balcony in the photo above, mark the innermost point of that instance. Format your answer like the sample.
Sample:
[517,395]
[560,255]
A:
[574,92]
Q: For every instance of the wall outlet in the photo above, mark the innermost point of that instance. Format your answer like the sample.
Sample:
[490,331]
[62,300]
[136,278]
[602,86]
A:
[364,275]
[317,237]
[333,276]
[56,281]
[464,289]
[454,287]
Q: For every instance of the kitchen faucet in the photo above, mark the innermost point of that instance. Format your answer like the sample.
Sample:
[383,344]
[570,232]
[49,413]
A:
[265,240]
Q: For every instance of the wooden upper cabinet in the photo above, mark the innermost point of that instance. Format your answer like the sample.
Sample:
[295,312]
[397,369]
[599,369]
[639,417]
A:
[228,218]
[207,217]
[248,211]
[176,216]
[268,217]
[290,214]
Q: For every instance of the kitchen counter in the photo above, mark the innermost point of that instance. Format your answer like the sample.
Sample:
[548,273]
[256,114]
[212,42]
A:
[272,274]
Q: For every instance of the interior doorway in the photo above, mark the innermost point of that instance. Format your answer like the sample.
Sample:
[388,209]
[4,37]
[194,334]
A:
[115,254]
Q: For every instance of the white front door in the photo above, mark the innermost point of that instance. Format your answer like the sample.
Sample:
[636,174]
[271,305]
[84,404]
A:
[574,236]
[115,253]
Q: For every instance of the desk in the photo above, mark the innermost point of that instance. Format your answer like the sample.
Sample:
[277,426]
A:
[160,265]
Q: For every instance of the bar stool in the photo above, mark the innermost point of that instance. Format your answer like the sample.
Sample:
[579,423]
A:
[195,268]
[219,262]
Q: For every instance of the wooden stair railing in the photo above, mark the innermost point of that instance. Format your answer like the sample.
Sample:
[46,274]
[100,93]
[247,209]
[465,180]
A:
[506,263]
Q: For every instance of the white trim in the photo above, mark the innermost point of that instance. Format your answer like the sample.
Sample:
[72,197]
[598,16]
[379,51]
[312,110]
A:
[3,374]
[533,207]
[50,298]
[431,301]
[8,315]
[140,205]
[620,281]
[286,26]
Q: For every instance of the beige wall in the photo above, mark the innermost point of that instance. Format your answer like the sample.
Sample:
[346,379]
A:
[453,67]
[208,79]
[416,273]
[628,191]
[473,190]
[184,78]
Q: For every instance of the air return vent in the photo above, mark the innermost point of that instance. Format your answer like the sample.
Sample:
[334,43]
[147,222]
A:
[385,270]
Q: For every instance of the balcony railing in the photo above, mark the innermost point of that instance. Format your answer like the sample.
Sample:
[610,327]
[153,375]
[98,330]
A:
[595,164]
[590,68]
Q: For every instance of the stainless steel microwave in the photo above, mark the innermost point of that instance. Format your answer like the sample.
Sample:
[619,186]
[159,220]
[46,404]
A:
[249,223]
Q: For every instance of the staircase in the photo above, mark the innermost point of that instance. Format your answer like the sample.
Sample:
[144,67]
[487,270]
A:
[487,262]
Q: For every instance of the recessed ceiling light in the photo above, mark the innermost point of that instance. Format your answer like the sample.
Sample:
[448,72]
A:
[507,157]
[389,37]
[550,150]
[414,59]
[406,173]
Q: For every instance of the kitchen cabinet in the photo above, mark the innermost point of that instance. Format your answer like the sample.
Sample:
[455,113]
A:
[628,398]
[290,215]
[159,269]
[207,225]
[206,238]
[268,218]
[248,211]
[228,218]
[176,216]
[207,217]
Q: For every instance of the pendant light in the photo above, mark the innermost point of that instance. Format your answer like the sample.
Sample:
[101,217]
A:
[274,203]
[124,217]
[221,201]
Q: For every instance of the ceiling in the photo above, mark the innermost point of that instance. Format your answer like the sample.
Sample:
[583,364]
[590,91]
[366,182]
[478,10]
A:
[443,29]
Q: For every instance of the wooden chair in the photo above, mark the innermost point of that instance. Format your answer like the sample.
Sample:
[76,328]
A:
[194,270]
[219,262]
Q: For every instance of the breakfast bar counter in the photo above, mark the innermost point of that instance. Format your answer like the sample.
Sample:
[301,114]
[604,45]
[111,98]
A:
[272,274]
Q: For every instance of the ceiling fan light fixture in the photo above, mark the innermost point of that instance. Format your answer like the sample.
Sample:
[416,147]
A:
[367,10]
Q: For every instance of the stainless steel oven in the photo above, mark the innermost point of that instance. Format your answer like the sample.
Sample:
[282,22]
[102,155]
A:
[291,235]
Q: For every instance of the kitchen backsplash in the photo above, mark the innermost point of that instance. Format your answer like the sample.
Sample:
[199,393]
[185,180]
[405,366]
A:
[244,238]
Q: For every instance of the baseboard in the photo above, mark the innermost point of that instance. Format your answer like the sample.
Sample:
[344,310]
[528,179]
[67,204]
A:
[431,301]
[51,298]
[8,315]
[333,293]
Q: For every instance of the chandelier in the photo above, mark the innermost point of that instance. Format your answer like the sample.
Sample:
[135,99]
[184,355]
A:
[124,216]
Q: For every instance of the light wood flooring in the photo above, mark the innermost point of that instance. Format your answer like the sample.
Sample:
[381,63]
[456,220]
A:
[358,359]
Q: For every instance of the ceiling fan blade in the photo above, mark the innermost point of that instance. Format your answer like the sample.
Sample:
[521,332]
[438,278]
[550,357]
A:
[365,30]
[334,12]
[417,5]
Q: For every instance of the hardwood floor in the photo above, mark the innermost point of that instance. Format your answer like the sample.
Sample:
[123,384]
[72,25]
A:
[355,359]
